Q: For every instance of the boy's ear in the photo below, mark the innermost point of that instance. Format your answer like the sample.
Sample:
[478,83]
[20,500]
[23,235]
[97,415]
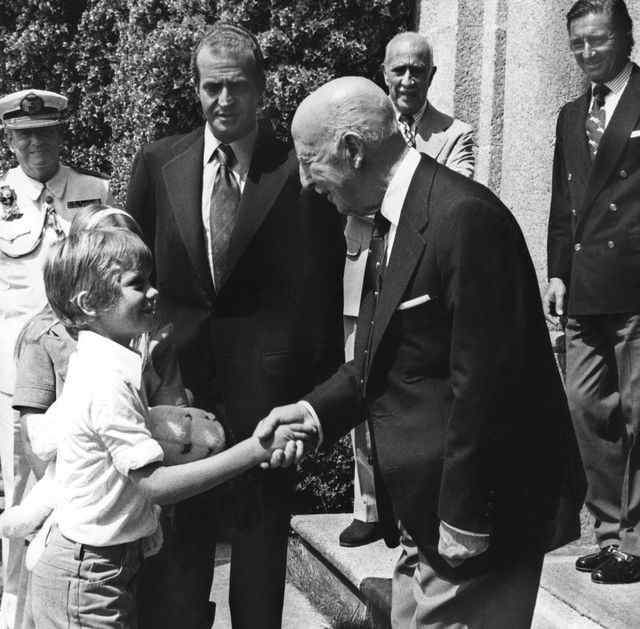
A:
[82,302]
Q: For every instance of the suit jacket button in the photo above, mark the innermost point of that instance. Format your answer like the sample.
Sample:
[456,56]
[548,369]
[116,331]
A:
[577,246]
[573,211]
[623,174]
[569,176]
[613,207]
[611,244]
[361,381]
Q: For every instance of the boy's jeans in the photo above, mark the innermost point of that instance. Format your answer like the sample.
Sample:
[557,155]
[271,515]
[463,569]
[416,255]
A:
[76,585]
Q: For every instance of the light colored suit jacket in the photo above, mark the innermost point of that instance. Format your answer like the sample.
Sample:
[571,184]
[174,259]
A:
[448,140]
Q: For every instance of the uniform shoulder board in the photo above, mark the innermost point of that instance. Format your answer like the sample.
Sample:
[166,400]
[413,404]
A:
[91,173]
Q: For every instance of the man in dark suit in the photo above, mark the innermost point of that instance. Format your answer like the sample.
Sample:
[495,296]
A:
[408,71]
[594,277]
[451,354]
[249,271]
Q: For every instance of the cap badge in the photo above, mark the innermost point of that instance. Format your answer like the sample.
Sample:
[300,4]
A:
[10,209]
[32,104]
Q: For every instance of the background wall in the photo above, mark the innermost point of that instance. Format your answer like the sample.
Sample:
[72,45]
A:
[505,68]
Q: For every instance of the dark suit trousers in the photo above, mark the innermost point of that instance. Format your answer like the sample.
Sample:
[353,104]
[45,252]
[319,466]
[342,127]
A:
[502,598]
[603,387]
[175,584]
[259,552]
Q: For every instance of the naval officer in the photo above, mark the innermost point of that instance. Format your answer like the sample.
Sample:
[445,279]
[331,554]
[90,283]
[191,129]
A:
[37,201]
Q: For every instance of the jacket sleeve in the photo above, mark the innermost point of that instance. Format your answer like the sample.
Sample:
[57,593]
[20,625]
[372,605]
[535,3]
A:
[487,278]
[140,196]
[559,232]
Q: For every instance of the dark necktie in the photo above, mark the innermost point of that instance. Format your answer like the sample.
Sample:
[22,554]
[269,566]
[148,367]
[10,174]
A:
[372,285]
[594,124]
[225,198]
[406,128]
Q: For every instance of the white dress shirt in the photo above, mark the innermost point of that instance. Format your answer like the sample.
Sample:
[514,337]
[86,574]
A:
[243,151]
[617,87]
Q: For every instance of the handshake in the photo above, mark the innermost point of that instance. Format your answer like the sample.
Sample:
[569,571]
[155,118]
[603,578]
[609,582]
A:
[288,434]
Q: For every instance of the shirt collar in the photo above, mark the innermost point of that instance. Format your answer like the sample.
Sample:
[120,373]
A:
[417,116]
[107,353]
[618,83]
[242,149]
[398,186]
[33,187]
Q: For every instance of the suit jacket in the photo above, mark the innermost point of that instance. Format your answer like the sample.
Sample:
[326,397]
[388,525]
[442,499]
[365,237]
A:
[274,328]
[448,140]
[594,226]
[465,405]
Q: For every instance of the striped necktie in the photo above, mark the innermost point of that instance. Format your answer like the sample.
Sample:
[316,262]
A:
[225,199]
[594,124]
[406,128]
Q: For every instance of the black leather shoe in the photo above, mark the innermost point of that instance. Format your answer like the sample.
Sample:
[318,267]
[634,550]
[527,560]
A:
[619,568]
[359,533]
[589,563]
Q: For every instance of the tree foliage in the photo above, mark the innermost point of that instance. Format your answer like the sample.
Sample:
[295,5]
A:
[125,67]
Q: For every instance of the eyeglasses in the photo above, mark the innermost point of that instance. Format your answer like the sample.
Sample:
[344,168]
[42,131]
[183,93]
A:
[595,42]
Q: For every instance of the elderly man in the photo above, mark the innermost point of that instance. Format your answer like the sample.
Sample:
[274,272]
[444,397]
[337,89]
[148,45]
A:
[408,71]
[451,354]
[594,265]
[37,201]
[249,269]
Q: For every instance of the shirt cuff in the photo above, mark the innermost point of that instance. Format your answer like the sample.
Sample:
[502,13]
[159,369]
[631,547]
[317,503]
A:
[316,420]
[139,455]
[455,529]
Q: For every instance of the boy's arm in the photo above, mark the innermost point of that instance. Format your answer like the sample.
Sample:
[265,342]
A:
[168,485]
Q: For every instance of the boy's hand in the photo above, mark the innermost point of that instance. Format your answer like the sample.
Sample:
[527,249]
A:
[287,433]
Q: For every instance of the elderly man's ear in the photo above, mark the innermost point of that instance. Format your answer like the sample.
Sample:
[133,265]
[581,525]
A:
[353,147]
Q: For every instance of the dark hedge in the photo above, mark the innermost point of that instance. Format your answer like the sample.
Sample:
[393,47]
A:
[124,64]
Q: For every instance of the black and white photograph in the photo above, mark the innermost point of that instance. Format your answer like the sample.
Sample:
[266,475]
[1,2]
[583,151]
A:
[319,314]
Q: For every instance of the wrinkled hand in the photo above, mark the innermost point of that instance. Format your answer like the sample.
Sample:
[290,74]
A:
[553,298]
[292,423]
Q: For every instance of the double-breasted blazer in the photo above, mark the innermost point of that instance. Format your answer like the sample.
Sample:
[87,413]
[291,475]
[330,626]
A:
[466,408]
[274,327]
[594,225]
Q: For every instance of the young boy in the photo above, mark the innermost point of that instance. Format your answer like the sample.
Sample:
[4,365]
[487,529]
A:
[109,467]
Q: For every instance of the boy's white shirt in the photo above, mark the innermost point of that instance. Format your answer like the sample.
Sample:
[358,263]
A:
[101,421]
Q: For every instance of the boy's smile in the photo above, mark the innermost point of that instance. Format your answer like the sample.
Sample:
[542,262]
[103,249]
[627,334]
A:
[133,312]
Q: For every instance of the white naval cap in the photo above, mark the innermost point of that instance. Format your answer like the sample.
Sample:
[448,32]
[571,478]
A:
[30,109]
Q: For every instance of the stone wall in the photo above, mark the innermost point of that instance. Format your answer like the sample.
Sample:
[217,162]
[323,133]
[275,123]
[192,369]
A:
[504,66]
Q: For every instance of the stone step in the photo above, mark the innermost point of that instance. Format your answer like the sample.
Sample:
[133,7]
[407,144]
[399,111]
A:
[352,586]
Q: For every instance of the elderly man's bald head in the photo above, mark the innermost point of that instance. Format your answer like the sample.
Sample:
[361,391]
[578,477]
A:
[346,138]
[408,70]
[346,104]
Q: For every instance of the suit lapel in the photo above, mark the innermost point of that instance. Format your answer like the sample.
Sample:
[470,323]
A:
[269,171]
[407,250]
[615,139]
[183,181]
[577,140]
[430,137]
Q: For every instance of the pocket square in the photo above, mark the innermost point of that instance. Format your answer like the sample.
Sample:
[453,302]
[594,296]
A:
[635,134]
[412,303]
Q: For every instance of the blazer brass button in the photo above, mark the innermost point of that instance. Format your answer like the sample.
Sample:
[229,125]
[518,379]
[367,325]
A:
[613,207]
[623,174]
[573,211]
[611,244]
[577,246]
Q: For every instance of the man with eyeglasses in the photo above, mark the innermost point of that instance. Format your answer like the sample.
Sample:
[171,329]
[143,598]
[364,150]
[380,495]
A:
[594,277]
